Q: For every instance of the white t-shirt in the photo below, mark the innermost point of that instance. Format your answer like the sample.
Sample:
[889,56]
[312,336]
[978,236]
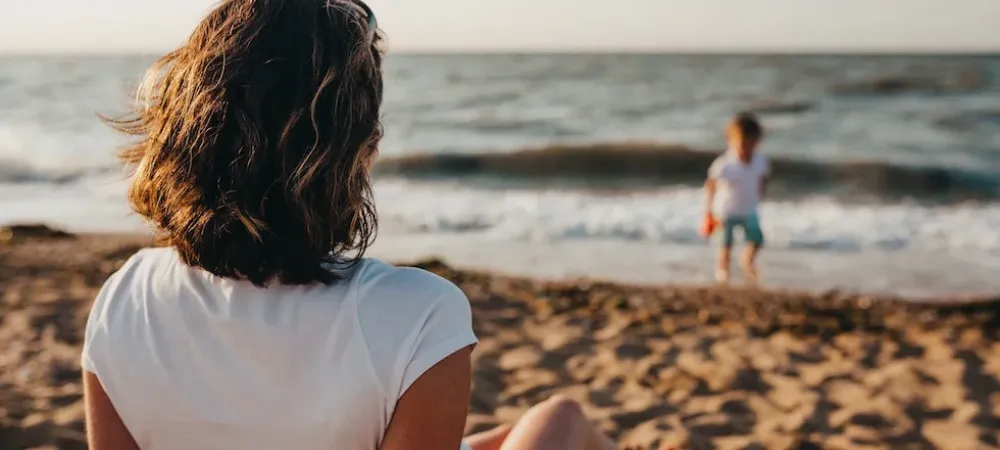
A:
[193,361]
[738,184]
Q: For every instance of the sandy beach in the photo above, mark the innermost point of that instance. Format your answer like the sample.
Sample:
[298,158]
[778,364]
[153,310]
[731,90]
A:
[695,367]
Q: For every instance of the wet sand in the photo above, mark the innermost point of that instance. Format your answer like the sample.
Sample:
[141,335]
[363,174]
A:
[696,367]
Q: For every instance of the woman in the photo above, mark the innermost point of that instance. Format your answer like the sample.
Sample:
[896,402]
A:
[259,325]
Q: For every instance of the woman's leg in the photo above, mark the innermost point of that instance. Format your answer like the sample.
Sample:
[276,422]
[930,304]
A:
[555,424]
[488,440]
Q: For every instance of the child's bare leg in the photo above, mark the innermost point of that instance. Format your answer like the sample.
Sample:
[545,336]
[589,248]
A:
[722,267]
[749,262]
[556,424]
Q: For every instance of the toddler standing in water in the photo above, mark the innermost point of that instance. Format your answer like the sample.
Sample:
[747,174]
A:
[738,177]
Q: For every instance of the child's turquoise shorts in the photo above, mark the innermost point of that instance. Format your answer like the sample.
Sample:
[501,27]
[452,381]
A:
[750,225]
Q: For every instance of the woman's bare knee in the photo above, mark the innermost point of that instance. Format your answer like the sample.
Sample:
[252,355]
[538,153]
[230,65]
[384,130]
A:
[556,424]
[563,404]
[563,410]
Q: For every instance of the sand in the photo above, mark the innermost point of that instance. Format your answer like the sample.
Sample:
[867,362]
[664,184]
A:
[699,368]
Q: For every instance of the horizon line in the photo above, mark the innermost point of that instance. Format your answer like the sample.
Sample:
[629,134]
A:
[584,51]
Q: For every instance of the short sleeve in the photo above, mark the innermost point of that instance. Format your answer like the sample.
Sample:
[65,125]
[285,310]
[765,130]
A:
[446,329]
[765,165]
[100,335]
[96,332]
[411,320]
[715,170]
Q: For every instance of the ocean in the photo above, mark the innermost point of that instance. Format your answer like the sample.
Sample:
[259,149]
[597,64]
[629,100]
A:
[887,168]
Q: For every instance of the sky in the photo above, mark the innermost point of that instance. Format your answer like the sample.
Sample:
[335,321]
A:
[114,26]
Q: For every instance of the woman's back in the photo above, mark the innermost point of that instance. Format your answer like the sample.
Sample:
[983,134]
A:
[261,325]
[191,360]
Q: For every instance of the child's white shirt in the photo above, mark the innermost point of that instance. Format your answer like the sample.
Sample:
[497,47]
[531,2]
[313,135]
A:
[738,185]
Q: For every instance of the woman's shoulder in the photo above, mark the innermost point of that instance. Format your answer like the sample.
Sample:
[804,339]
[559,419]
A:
[143,262]
[410,319]
[375,278]
[148,258]
[112,315]
[406,297]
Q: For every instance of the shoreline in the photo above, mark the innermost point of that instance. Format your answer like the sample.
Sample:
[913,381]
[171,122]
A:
[422,253]
[911,276]
[817,245]
[14,235]
[696,367]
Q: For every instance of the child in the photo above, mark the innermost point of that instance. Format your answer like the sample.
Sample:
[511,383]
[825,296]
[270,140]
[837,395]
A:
[739,177]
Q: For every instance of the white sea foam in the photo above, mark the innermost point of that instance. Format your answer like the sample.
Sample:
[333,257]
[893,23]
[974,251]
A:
[660,217]
[649,237]
[30,152]
[671,216]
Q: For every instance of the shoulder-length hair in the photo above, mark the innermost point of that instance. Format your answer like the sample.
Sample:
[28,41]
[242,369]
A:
[255,139]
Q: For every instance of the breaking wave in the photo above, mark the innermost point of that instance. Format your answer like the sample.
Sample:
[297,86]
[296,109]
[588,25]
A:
[643,165]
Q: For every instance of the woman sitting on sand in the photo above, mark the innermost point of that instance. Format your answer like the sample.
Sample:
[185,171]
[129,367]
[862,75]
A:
[255,327]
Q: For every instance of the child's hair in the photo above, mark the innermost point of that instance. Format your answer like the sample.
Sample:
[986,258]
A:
[255,137]
[746,126]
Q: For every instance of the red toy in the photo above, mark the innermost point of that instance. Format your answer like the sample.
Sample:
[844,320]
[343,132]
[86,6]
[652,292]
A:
[708,225]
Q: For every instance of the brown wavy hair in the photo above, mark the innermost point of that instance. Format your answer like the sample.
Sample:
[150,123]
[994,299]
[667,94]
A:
[255,139]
